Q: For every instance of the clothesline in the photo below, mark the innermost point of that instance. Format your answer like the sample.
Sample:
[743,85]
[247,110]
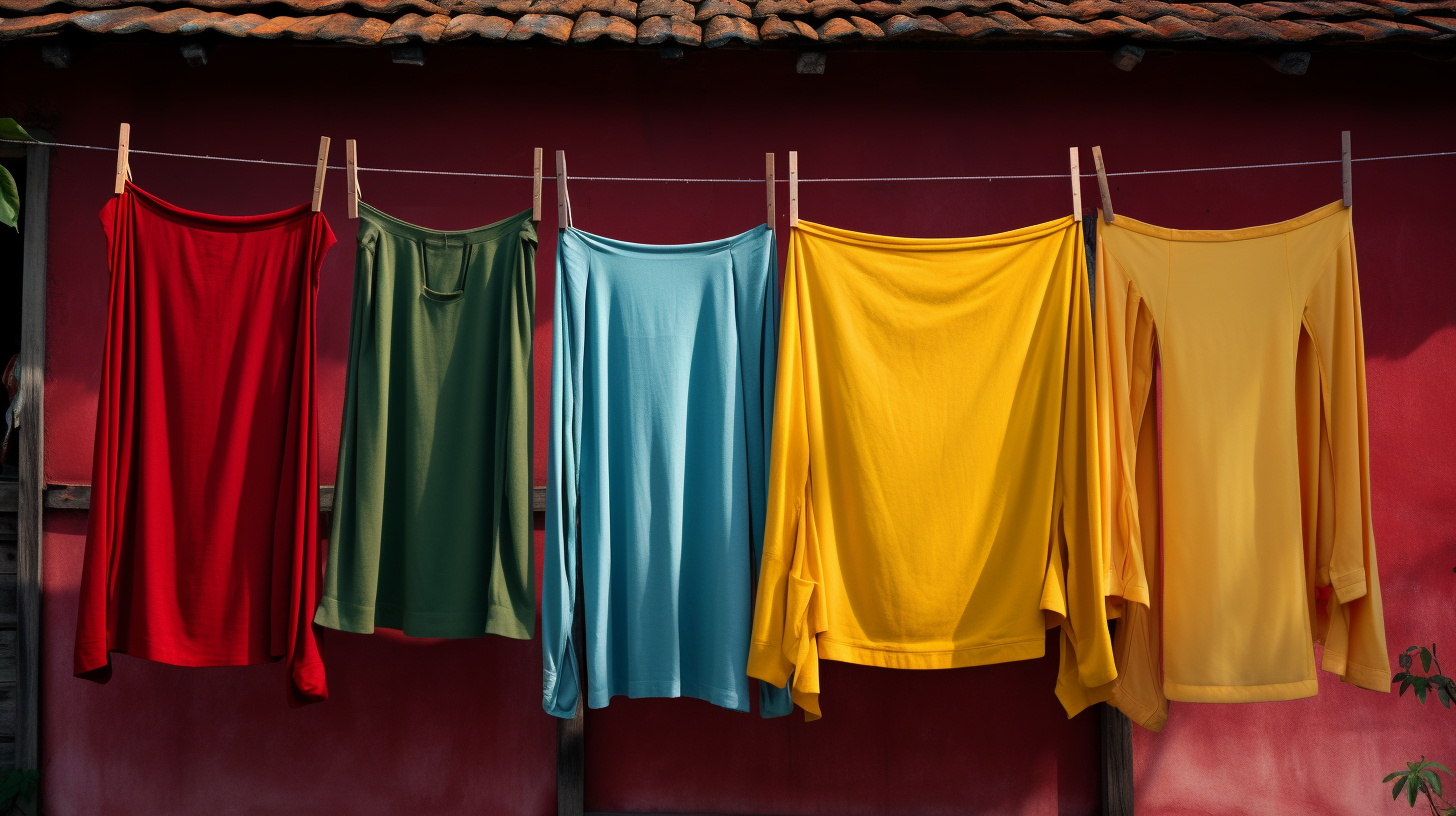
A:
[363,169]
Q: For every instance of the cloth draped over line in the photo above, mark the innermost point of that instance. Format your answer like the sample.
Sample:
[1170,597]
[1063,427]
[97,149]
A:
[1268,545]
[662,366]
[201,548]
[933,492]
[432,508]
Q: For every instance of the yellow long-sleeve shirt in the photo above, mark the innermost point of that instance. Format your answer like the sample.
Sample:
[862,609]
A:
[933,489]
[1265,470]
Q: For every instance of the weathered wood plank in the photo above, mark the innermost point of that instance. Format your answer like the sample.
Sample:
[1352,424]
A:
[1116,762]
[8,664]
[25,705]
[9,497]
[9,527]
[7,557]
[78,497]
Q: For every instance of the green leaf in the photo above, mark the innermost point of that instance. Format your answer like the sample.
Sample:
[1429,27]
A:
[1425,659]
[1399,783]
[1432,780]
[1421,691]
[1404,684]
[1444,696]
[9,199]
[1399,676]
[1391,776]
[1410,792]
[10,129]
[1442,767]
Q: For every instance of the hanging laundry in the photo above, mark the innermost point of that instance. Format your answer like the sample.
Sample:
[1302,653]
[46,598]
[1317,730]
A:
[201,548]
[1265,469]
[661,393]
[432,503]
[933,497]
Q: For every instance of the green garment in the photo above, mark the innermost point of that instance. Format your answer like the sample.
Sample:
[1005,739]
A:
[432,509]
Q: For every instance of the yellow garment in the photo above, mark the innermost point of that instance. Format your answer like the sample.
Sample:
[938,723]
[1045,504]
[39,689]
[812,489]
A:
[933,494]
[1265,468]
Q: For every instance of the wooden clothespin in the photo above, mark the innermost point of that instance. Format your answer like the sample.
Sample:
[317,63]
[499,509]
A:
[318,174]
[123,164]
[768,174]
[793,189]
[1102,187]
[1076,185]
[351,172]
[563,198]
[536,187]
[1345,195]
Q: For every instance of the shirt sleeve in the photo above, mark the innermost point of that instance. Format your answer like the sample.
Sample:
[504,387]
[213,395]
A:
[789,605]
[1337,498]
[1128,475]
[561,675]
[1076,546]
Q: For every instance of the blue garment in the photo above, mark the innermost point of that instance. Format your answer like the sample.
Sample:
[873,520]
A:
[662,377]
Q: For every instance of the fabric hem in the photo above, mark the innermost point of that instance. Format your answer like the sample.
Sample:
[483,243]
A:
[1242,234]
[643,689]
[1268,693]
[947,659]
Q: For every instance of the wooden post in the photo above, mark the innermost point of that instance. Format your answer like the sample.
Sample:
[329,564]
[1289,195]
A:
[1107,214]
[793,189]
[351,175]
[536,187]
[563,200]
[123,168]
[768,174]
[32,451]
[1116,762]
[318,174]
[571,734]
[1345,194]
[1076,185]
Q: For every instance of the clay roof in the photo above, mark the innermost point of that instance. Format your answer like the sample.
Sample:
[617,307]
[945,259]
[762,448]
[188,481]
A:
[799,24]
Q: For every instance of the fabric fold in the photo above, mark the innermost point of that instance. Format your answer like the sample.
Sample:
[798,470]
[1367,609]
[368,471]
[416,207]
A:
[933,491]
[201,545]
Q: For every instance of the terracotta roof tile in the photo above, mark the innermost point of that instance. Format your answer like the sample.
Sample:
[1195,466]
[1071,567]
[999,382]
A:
[777,28]
[550,26]
[484,26]
[724,29]
[666,8]
[771,8]
[708,9]
[1267,25]
[660,29]
[592,26]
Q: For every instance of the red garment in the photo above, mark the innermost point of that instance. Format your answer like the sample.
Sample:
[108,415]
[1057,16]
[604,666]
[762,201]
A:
[202,548]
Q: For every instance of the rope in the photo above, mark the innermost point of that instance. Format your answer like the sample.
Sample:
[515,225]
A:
[747,181]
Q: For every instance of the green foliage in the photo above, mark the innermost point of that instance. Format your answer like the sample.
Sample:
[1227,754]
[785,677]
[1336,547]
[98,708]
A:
[1425,682]
[9,192]
[17,785]
[1420,778]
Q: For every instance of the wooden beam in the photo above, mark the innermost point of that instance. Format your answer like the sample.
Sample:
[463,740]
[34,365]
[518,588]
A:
[1116,762]
[36,216]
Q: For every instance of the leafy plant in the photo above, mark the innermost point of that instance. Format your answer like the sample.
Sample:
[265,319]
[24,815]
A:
[16,785]
[1421,778]
[9,192]
[1444,686]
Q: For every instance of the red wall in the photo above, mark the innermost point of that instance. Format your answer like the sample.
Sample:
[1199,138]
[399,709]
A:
[456,727]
